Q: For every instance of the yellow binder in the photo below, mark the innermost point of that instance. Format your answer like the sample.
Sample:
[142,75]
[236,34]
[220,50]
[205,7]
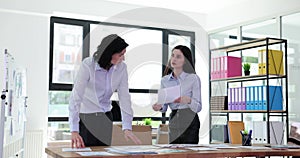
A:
[275,58]
[234,128]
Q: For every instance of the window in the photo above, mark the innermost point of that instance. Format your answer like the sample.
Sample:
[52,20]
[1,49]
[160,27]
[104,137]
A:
[66,45]
[72,40]
[290,27]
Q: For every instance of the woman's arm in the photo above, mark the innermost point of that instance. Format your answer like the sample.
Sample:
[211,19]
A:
[82,79]
[77,93]
[125,100]
[125,106]
[196,103]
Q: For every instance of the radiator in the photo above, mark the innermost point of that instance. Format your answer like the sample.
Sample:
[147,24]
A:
[13,149]
[33,144]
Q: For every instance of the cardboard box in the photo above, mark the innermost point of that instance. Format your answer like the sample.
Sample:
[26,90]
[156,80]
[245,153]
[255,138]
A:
[143,132]
[162,134]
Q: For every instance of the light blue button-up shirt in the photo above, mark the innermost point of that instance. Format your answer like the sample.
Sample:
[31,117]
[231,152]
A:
[93,89]
[190,85]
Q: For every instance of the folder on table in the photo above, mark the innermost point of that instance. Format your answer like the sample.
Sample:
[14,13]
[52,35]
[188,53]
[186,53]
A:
[234,128]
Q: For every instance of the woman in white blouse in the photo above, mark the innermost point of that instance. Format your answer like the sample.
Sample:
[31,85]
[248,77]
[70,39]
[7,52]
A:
[98,77]
[184,122]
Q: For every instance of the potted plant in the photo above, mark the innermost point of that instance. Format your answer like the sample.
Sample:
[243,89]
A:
[246,67]
[147,121]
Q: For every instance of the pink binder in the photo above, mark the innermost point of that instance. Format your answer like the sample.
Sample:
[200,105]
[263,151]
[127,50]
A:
[232,66]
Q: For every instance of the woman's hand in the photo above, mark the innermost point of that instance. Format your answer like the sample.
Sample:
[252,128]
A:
[129,135]
[156,107]
[183,100]
[77,141]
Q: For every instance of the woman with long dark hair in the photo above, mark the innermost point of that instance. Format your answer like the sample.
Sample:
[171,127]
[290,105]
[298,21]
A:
[184,122]
[98,77]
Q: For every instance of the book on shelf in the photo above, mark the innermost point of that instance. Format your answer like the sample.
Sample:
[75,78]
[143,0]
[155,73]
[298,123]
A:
[218,103]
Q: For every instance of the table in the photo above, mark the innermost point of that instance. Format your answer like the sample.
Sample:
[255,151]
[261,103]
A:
[238,152]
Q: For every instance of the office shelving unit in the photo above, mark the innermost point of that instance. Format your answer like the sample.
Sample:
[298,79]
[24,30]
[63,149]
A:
[279,78]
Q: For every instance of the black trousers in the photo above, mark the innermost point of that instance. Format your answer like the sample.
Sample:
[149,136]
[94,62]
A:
[96,128]
[184,127]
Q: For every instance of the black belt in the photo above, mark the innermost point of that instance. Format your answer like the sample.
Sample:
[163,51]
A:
[176,110]
[96,113]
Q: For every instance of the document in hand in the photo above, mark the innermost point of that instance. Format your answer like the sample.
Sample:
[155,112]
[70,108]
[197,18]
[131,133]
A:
[168,95]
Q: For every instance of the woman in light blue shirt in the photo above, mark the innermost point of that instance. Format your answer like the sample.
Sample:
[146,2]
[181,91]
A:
[184,122]
[98,77]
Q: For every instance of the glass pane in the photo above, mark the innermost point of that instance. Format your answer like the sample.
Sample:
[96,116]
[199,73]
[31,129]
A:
[67,51]
[58,103]
[263,29]
[223,38]
[98,32]
[58,131]
[290,31]
[175,40]
[142,105]
[143,57]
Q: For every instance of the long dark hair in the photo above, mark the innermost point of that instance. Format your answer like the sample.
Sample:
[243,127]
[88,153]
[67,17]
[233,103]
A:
[188,66]
[109,46]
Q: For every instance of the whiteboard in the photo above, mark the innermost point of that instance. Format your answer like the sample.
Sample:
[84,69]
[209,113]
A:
[14,88]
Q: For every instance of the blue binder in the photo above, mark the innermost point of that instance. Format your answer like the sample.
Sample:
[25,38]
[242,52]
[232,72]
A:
[275,98]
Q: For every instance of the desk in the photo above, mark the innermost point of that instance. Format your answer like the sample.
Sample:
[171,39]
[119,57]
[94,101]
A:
[56,152]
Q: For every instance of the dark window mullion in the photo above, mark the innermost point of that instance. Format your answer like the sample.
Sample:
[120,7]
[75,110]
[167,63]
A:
[86,41]
[143,90]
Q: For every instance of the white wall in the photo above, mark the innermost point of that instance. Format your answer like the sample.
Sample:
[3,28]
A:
[24,31]
[250,11]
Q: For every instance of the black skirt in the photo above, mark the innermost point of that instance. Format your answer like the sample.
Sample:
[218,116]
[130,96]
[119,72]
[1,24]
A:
[96,128]
[184,127]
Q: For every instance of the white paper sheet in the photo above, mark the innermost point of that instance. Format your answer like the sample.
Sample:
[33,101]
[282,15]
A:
[202,149]
[95,153]
[76,149]
[168,95]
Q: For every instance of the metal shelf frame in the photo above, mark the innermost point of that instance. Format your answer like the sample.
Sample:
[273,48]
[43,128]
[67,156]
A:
[264,42]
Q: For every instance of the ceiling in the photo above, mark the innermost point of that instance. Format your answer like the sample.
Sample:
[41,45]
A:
[197,6]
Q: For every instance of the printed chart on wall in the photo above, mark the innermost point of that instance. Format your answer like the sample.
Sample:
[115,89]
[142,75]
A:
[15,105]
